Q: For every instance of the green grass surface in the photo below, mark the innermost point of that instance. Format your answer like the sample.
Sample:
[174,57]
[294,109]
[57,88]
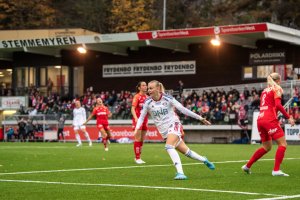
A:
[114,175]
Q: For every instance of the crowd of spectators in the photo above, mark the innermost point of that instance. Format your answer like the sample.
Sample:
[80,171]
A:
[217,105]
[295,105]
[222,107]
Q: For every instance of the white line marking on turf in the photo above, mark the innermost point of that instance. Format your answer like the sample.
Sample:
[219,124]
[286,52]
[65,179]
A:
[141,186]
[128,167]
[35,147]
[283,197]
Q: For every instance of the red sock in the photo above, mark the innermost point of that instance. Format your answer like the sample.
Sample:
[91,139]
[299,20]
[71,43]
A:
[104,141]
[137,146]
[279,157]
[257,155]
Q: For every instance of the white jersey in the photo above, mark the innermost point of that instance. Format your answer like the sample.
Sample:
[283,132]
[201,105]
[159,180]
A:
[79,116]
[162,112]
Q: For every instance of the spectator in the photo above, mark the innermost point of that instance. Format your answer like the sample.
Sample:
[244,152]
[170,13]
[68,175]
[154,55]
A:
[10,133]
[30,129]
[22,130]
[255,103]
[246,93]
[49,86]
[180,87]
[60,130]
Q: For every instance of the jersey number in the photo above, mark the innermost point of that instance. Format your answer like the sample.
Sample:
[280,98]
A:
[263,101]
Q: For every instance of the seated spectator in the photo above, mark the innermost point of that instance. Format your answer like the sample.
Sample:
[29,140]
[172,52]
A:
[217,115]
[255,103]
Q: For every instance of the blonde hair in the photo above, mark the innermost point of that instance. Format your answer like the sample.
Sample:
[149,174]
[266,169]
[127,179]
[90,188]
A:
[159,85]
[271,80]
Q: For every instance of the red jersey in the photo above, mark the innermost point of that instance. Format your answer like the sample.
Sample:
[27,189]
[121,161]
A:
[138,102]
[268,105]
[101,114]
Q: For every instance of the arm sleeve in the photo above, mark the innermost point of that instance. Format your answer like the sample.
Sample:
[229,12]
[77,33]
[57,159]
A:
[185,111]
[280,108]
[142,116]
[84,113]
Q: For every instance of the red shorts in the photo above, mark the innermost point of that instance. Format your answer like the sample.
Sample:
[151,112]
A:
[103,126]
[144,126]
[269,130]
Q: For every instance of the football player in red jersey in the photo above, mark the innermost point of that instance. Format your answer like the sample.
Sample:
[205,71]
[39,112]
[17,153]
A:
[102,114]
[268,125]
[137,105]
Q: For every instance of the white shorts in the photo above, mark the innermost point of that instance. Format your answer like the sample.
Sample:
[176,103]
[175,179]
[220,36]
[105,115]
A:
[175,128]
[78,127]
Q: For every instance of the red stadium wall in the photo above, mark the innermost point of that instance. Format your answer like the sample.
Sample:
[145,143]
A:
[117,132]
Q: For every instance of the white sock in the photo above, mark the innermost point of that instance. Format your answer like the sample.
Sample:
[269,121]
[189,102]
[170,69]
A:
[78,138]
[86,134]
[99,134]
[194,155]
[175,158]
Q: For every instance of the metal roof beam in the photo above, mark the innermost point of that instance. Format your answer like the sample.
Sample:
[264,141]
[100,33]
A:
[176,46]
[43,51]
[6,56]
[116,50]
[236,40]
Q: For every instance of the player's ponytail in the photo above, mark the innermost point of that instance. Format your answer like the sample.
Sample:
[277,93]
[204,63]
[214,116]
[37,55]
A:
[271,80]
[161,87]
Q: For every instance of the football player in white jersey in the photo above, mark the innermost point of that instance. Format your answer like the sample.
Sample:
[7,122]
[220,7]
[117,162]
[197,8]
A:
[79,117]
[161,108]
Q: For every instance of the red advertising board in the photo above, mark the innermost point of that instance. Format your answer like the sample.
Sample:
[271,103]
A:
[194,32]
[117,132]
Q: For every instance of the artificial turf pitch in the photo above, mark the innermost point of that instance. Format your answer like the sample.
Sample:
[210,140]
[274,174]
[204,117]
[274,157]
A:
[64,171]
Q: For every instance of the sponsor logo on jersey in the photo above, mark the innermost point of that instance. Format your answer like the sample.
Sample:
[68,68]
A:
[271,131]
[101,113]
[158,113]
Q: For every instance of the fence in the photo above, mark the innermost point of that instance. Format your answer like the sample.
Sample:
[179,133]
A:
[30,127]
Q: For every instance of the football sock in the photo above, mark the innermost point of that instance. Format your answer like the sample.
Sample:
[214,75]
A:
[257,155]
[194,155]
[174,157]
[279,157]
[78,138]
[137,146]
[104,141]
[86,134]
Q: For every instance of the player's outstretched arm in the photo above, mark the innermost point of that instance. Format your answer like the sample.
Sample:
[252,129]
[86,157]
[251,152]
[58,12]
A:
[205,122]
[88,119]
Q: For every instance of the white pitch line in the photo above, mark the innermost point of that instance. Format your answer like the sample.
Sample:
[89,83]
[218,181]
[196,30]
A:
[142,186]
[35,147]
[283,197]
[128,167]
